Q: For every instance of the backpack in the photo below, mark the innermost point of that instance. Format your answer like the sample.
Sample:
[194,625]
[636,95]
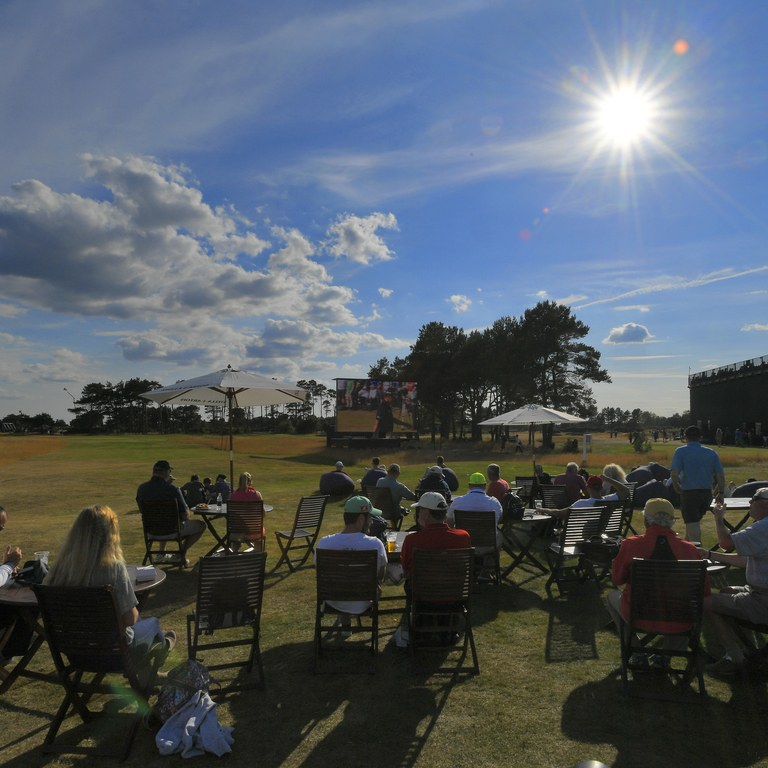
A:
[184,680]
[513,507]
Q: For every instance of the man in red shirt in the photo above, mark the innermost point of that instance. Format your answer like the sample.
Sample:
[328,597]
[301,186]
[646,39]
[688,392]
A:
[497,487]
[659,517]
[434,533]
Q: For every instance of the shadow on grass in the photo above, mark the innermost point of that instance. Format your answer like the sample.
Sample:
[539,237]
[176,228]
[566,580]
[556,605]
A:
[571,624]
[715,735]
[342,716]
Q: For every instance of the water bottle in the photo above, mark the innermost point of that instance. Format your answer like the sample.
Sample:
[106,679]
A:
[218,503]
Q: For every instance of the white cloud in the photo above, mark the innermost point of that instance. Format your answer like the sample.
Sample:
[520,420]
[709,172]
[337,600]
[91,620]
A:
[629,333]
[755,327]
[459,303]
[355,237]
[385,293]
[633,308]
[642,357]
[574,297]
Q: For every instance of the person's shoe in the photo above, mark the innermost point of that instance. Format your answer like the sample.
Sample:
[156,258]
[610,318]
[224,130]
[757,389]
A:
[170,639]
[658,661]
[725,667]
[639,660]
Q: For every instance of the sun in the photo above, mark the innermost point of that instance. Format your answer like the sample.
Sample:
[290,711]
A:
[625,117]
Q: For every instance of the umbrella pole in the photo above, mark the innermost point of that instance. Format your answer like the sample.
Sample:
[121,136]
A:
[231,447]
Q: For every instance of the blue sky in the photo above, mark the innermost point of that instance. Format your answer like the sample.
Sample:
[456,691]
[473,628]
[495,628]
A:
[296,190]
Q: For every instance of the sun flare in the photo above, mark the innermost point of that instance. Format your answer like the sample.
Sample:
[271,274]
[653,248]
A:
[625,116]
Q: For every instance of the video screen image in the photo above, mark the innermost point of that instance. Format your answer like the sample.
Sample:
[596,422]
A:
[376,407]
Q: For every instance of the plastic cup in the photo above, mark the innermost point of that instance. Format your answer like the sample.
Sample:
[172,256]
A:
[42,556]
[391,542]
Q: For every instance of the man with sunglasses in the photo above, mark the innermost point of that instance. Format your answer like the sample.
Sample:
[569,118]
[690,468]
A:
[749,602]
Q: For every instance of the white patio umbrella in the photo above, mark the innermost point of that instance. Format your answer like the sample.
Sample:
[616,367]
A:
[228,387]
[530,415]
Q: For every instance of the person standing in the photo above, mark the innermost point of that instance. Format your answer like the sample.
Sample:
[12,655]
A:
[695,469]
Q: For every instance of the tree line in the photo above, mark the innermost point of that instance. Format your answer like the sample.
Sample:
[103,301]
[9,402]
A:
[463,376]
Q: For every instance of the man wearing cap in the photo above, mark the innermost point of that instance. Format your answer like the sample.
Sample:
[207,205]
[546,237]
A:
[221,486]
[433,480]
[160,487]
[659,517]
[398,490]
[695,469]
[497,487]
[575,485]
[476,500]
[357,519]
[595,484]
[749,602]
[434,533]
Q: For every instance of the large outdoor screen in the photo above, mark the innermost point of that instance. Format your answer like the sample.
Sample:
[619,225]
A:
[376,407]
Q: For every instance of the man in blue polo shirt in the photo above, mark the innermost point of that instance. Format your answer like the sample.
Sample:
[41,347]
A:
[695,469]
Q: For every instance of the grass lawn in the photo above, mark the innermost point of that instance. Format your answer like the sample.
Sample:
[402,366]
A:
[548,694]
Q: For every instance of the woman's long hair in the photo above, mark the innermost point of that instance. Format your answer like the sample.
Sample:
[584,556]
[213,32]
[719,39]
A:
[244,483]
[91,553]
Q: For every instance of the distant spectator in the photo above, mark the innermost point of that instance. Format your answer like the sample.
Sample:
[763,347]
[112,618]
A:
[476,500]
[374,474]
[497,487]
[575,485]
[398,490]
[194,492]
[222,487]
[245,490]
[433,480]
[337,482]
[449,475]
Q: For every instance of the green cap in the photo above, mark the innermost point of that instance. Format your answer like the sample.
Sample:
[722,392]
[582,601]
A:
[477,478]
[359,505]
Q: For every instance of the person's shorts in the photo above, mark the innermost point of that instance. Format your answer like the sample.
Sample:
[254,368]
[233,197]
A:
[742,603]
[693,504]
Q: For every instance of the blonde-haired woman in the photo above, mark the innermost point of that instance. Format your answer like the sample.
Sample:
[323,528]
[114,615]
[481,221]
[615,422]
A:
[615,472]
[91,556]
[245,490]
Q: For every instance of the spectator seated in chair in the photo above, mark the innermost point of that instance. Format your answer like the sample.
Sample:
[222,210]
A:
[337,482]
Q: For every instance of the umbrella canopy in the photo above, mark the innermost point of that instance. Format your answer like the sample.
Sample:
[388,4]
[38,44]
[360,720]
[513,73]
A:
[531,414]
[228,387]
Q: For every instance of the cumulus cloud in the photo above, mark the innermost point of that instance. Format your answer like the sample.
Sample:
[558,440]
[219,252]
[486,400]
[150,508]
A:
[755,327]
[385,293]
[629,333]
[459,303]
[356,238]
[186,281]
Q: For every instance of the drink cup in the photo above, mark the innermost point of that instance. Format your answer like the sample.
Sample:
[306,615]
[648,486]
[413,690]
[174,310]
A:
[391,542]
[42,556]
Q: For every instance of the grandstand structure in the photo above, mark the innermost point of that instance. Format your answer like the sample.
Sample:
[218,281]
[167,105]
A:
[732,397]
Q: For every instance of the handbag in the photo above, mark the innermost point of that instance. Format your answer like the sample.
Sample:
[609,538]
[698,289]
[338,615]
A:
[32,572]
[183,682]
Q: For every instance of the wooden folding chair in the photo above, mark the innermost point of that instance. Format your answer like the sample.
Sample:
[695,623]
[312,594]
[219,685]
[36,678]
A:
[671,592]
[245,523]
[346,576]
[526,484]
[440,605]
[381,498]
[85,634]
[482,529]
[554,496]
[162,527]
[303,534]
[629,510]
[230,589]
[565,556]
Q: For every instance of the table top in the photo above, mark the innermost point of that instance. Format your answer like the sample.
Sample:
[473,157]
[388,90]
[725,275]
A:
[212,511]
[21,595]
[735,503]
[534,518]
